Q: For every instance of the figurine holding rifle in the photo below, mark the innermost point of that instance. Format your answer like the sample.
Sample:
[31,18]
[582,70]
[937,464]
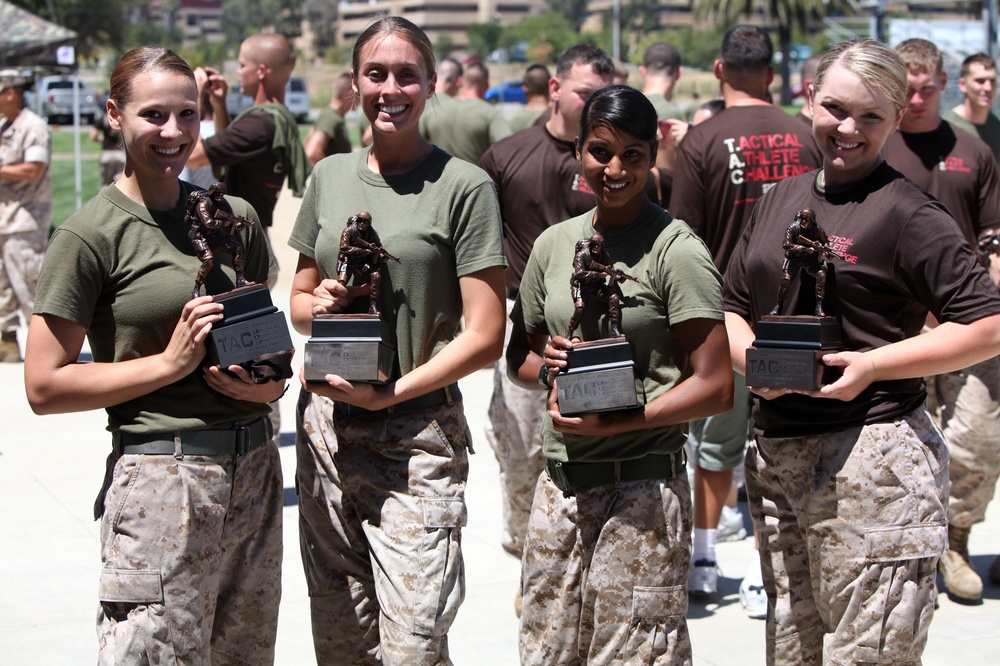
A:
[592,265]
[806,247]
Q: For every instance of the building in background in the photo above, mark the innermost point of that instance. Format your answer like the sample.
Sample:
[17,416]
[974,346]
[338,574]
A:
[435,17]
[193,20]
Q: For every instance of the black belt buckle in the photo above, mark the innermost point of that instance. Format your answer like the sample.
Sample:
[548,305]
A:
[242,442]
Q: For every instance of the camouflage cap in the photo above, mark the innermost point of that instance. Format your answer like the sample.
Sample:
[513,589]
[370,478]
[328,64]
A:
[12,78]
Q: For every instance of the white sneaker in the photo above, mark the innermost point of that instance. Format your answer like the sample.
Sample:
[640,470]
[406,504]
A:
[753,600]
[703,579]
[730,526]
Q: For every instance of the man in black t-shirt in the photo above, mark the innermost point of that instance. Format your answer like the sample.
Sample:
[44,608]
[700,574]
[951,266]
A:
[262,145]
[960,171]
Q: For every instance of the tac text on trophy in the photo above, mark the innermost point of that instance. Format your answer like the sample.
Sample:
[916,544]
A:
[253,334]
[350,344]
[600,374]
[788,349]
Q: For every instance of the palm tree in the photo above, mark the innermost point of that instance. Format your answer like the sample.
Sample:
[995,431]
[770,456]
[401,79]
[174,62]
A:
[785,13]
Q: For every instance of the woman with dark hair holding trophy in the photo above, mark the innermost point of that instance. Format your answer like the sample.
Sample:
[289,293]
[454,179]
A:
[382,467]
[192,499]
[848,482]
[604,573]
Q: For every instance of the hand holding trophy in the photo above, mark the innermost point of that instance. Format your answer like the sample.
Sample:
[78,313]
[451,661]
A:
[788,350]
[253,333]
[350,345]
[599,375]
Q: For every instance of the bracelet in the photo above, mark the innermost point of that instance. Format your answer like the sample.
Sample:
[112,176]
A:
[543,377]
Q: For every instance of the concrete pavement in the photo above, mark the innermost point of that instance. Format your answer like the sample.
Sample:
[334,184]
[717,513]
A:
[51,469]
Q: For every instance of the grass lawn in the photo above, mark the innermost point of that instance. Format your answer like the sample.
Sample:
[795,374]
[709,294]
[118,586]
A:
[62,142]
[63,196]
[63,178]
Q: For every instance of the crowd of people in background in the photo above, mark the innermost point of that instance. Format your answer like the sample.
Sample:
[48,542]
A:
[859,492]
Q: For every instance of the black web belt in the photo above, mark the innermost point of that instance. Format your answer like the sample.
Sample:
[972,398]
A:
[236,441]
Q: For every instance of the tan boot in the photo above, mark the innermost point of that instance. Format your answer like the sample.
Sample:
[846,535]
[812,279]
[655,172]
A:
[962,581]
[9,351]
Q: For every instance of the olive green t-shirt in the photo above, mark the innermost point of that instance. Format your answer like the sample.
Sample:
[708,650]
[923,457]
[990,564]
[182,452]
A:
[665,109]
[124,273]
[441,220]
[677,281]
[522,119]
[332,123]
[988,131]
[466,128]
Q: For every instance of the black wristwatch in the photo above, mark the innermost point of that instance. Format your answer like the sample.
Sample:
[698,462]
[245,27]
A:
[543,377]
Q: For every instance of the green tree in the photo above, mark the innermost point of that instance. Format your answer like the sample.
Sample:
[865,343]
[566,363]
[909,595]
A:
[547,35]
[484,38]
[574,11]
[785,14]
[243,18]
[445,45]
[699,47]
[322,18]
[638,19]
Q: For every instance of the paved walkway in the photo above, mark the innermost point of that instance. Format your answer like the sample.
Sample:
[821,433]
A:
[51,468]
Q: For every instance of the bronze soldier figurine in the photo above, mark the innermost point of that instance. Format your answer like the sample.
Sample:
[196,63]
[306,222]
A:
[362,254]
[212,229]
[592,266]
[806,247]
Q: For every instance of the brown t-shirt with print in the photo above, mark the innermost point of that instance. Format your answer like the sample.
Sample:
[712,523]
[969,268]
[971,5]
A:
[903,256]
[726,163]
[539,183]
[955,168]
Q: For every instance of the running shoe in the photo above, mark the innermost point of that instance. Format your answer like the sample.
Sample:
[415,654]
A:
[703,579]
[730,526]
[753,600]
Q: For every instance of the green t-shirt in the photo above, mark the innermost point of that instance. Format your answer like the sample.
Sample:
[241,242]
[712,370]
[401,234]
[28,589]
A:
[124,273]
[988,131]
[332,123]
[664,109]
[441,219]
[522,119]
[466,128]
[677,281]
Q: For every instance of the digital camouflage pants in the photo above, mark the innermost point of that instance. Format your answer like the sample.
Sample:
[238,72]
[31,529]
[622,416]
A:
[513,425]
[381,506]
[851,525]
[969,404]
[191,551]
[604,575]
[20,263]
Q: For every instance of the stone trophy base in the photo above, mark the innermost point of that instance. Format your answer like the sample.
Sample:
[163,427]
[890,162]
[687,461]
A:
[350,346]
[788,352]
[599,377]
[251,327]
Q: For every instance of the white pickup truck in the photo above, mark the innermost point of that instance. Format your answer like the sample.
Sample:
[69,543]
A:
[52,99]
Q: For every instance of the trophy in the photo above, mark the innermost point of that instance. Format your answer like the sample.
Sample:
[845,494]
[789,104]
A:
[599,375]
[350,345]
[253,333]
[788,349]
